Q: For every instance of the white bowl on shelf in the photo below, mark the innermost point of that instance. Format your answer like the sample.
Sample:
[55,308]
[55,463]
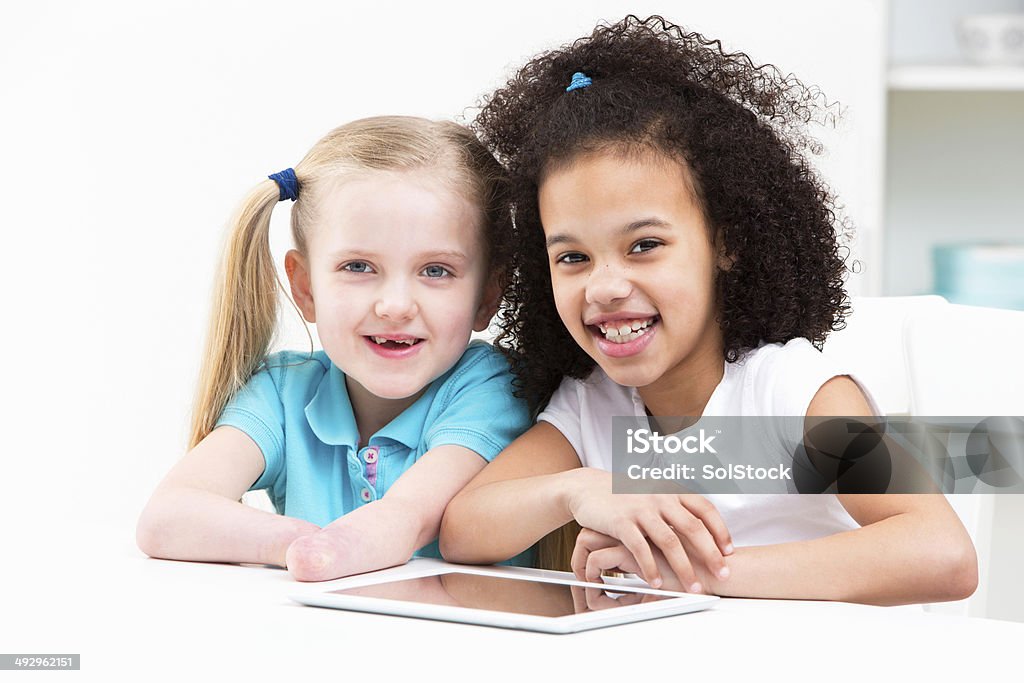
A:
[996,39]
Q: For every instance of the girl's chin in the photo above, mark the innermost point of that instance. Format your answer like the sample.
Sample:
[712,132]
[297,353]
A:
[628,374]
[396,390]
[631,377]
[395,393]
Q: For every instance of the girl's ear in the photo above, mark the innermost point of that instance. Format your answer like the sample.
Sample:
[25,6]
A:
[297,268]
[489,302]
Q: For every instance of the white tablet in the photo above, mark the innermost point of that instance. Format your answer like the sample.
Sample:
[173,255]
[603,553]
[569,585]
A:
[531,600]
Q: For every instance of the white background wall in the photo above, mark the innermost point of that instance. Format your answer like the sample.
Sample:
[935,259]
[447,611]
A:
[130,130]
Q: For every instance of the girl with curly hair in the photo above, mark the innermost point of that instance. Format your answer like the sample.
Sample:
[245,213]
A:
[679,256]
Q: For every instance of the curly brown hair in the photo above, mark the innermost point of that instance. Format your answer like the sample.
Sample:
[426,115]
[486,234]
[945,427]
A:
[738,127]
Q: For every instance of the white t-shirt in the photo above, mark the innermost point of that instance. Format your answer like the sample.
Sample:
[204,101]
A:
[773,379]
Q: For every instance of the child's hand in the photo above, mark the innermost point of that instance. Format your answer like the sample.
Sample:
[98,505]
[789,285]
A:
[595,553]
[643,523]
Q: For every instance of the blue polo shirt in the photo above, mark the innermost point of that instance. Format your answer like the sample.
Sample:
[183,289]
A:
[297,410]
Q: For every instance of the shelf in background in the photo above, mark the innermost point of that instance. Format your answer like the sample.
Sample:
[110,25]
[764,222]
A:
[956,77]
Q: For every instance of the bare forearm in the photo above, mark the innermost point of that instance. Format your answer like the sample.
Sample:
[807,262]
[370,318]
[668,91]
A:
[196,525]
[384,533]
[899,560]
[499,520]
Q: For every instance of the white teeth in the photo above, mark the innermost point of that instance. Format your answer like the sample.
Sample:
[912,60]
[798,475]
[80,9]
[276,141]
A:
[382,340]
[627,332]
[622,339]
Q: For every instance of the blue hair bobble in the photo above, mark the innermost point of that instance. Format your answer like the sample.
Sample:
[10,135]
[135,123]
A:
[287,183]
[579,80]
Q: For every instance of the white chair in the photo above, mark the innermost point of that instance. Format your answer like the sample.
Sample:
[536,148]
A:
[871,346]
[968,361]
[965,360]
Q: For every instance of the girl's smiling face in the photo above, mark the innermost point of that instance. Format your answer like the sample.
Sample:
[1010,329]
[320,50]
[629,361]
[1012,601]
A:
[633,266]
[394,279]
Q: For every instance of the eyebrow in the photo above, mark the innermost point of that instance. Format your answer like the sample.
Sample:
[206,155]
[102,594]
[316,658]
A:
[444,254]
[564,237]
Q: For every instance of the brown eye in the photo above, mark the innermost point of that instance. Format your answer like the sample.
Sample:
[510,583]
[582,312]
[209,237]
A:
[571,258]
[644,245]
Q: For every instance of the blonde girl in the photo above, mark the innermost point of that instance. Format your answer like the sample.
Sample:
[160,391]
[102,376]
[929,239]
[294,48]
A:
[401,240]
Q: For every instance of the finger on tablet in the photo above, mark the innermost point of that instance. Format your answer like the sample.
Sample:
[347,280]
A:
[604,559]
[579,599]
[587,541]
[636,543]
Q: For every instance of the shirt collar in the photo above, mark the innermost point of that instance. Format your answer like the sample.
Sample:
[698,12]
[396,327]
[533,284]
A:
[408,426]
[331,418]
[330,412]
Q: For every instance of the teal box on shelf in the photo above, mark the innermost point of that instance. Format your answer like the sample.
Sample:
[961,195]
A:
[981,274]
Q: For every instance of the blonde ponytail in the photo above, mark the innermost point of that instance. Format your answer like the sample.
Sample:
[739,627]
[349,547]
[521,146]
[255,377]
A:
[244,313]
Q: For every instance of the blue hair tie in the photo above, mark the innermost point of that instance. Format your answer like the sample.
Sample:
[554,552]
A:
[579,80]
[287,183]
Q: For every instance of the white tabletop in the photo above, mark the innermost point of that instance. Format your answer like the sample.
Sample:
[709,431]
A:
[130,615]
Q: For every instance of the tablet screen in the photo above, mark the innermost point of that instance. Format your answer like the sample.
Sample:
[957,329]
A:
[500,594]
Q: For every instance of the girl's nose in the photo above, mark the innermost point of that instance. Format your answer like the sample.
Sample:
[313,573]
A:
[606,285]
[396,303]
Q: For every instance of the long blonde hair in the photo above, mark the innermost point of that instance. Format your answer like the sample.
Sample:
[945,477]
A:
[245,304]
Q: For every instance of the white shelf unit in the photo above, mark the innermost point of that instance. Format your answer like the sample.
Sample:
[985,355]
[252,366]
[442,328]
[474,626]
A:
[954,145]
[954,141]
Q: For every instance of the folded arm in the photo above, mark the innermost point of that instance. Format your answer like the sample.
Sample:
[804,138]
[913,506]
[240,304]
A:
[195,513]
[909,548]
[912,553]
[513,502]
[387,532]
[537,485]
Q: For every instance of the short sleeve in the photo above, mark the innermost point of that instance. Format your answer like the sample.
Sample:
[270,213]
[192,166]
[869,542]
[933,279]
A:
[788,379]
[256,409]
[478,409]
[563,412]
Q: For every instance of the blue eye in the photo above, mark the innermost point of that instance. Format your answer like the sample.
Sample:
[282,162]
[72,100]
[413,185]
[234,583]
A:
[436,272]
[571,257]
[357,267]
[644,245]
